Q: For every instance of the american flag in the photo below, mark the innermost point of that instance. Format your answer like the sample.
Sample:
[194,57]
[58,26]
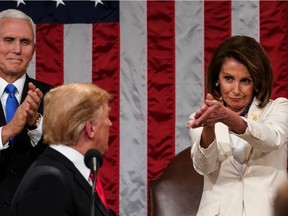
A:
[151,55]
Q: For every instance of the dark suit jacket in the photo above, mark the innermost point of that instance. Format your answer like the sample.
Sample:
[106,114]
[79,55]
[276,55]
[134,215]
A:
[14,162]
[53,186]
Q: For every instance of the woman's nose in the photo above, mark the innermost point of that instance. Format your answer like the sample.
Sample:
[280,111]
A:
[236,88]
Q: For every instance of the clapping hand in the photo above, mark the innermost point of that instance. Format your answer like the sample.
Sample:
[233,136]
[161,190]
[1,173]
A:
[208,114]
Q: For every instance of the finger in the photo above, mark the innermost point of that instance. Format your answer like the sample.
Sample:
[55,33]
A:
[188,124]
[30,113]
[32,109]
[201,110]
[202,119]
[192,124]
[210,102]
[198,114]
[39,93]
[36,98]
[32,105]
[31,86]
[198,125]
[204,107]
[209,97]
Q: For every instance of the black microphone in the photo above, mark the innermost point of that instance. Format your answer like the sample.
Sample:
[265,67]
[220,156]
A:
[93,160]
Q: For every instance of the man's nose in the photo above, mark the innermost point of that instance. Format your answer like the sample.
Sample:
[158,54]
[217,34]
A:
[16,47]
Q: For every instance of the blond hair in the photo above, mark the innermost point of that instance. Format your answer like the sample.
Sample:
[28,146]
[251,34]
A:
[68,107]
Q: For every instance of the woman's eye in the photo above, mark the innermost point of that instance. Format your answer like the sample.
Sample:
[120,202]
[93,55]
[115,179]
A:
[228,78]
[247,81]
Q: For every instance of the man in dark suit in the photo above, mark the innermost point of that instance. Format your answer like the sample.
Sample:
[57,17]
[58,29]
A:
[76,119]
[20,141]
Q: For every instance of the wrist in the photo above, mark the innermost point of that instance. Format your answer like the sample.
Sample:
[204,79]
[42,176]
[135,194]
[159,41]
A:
[36,124]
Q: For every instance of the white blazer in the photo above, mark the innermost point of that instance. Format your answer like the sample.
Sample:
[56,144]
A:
[228,191]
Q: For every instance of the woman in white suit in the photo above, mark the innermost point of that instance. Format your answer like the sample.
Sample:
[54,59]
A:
[239,136]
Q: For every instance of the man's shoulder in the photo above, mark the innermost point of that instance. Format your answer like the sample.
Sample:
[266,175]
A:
[44,87]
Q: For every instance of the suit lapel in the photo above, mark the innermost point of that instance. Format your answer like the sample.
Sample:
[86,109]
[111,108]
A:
[2,116]
[87,187]
[224,145]
[100,205]
[254,114]
[224,142]
[79,179]
[25,88]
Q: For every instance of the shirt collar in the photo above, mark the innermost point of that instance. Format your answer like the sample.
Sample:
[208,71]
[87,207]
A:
[74,156]
[19,84]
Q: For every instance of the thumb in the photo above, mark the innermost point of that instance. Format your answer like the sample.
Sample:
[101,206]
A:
[209,97]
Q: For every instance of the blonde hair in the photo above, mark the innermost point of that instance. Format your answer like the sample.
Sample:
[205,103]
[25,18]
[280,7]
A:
[68,107]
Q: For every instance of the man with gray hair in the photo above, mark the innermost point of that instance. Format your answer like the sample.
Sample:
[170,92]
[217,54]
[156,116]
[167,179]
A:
[21,103]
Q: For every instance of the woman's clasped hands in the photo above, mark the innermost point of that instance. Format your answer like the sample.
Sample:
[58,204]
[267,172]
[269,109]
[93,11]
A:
[211,112]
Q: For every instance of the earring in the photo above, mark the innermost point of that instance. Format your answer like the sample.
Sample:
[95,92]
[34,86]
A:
[217,84]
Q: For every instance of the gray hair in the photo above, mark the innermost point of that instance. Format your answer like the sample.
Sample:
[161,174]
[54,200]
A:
[17,14]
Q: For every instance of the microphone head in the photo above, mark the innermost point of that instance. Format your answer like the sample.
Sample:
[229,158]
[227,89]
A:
[91,153]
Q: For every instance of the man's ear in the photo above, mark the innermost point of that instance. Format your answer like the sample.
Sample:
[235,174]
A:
[89,129]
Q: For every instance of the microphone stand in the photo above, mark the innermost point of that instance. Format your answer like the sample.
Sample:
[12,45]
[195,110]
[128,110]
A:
[93,160]
[94,171]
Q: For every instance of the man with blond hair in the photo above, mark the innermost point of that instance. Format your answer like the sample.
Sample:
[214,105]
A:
[76,120]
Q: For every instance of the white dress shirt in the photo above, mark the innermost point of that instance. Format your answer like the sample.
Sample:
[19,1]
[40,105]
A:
[75,157]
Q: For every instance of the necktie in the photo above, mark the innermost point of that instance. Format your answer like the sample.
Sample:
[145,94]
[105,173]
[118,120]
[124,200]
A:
[11,105]
[11,102]
[99,190]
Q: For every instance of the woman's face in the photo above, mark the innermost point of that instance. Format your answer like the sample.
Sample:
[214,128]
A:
[236,85]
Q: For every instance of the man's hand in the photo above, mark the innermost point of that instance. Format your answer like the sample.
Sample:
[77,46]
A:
[26,114]
[33,99]
[17,123]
